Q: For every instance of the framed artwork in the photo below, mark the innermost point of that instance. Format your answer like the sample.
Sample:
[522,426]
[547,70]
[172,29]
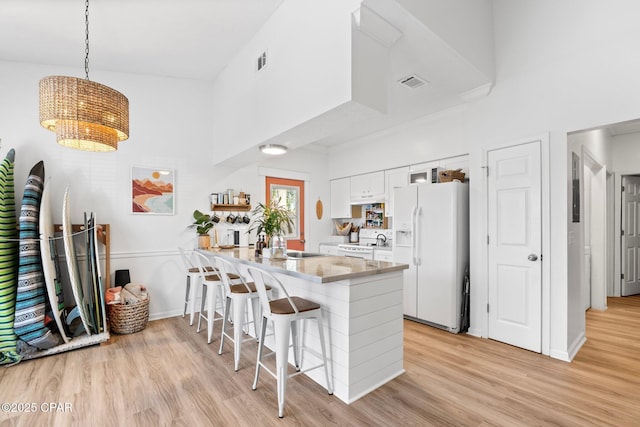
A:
[152,191]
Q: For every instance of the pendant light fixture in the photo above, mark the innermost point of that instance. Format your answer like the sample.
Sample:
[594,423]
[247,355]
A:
[85,115]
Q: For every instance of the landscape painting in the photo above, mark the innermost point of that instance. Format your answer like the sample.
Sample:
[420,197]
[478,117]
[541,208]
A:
[152,191]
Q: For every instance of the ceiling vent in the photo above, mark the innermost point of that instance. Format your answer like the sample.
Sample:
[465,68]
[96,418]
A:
[412,81]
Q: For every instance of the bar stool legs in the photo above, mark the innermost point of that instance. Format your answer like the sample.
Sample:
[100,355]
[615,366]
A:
[287,314]
[238,295]
[210,299]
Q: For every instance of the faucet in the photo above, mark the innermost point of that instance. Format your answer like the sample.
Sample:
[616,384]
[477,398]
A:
[381,239]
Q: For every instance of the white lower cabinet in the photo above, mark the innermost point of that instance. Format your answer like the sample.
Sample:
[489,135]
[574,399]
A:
[382,255]
[328,249]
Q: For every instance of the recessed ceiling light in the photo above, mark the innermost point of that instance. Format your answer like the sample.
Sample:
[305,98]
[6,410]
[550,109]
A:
[273,149]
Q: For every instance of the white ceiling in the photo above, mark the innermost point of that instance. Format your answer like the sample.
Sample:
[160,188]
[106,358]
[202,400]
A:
[192,39]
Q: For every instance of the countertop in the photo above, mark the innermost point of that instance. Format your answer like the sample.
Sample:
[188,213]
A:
[320,269]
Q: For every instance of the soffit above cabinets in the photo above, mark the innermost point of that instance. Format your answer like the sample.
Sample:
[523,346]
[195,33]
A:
[451,76]
[352,87]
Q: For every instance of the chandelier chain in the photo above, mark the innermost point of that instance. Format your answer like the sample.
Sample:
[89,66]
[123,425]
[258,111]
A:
[86,39]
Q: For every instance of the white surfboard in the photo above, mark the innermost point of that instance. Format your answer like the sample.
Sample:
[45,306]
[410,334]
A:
[98,273]
[49,256]
[72,262]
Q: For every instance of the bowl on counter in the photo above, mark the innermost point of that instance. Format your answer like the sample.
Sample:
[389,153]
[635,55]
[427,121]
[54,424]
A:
[343,229]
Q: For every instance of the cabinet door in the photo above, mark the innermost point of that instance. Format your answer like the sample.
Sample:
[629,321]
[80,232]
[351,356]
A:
[328,249]
[376,183]
[360,186]
[340,198]
[394,178]
[382,255]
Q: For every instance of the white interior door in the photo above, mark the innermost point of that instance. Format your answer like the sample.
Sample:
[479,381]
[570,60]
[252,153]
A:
[515,245]
[631,235]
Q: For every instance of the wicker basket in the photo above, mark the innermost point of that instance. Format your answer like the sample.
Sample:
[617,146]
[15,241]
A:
[450,175]
[128,319]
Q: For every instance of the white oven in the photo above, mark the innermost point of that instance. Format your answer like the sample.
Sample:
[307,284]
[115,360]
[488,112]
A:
[370,241]
[356,251]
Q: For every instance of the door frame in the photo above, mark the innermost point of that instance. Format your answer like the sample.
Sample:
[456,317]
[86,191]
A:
[617,247]
[598,176]
[545,194]
[264,172]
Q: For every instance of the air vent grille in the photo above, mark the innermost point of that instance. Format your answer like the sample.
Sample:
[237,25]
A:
[262,61]
[412,81]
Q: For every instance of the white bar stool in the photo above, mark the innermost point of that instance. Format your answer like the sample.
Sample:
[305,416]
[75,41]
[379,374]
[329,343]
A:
[285,313]
[211,291]
[193,280]
[240,295]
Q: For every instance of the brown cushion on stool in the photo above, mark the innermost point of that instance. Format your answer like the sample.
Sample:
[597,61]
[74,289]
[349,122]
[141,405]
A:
[197,270]
[212,277]
[242,289]
[282,306]
[232,276]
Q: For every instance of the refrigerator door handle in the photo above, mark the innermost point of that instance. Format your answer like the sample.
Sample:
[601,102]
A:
[417,235]
[414,230]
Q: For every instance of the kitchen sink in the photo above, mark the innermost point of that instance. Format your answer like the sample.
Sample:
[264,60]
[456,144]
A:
[299,254]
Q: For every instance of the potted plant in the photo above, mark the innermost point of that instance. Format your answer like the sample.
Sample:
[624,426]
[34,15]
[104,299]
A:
[274,220]
[203,223]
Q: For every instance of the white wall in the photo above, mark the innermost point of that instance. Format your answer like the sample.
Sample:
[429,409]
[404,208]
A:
[310,166]
[595,144]
[561,67]
[308,44]
[625,154]
[169,128]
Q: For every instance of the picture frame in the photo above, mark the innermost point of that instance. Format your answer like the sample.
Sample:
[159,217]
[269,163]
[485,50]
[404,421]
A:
[152,191]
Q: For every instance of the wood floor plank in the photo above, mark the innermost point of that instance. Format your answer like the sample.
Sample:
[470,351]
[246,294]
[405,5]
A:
[168,375]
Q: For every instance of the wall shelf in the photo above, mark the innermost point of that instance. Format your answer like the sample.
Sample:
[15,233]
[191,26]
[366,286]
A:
[239,208]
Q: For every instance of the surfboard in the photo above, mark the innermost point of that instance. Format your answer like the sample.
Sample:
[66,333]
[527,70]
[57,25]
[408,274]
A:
[95,274]
[98,272]
[8,262]
[88,282]
[31,302]
[72,262]
[49,255]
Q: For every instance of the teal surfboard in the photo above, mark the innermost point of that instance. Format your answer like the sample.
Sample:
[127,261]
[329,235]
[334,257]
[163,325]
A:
[31,301]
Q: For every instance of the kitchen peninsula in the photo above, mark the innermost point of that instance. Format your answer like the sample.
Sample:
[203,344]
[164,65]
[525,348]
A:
[362,307]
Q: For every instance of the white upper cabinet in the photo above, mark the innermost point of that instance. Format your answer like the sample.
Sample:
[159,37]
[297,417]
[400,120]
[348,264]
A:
[340,198]
[394,178]
[368,188]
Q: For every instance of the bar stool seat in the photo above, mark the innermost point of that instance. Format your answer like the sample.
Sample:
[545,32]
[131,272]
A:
[282,306]
[286,313]
[240,296]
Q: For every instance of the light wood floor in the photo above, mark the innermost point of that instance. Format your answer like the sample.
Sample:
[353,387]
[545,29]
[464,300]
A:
[168,375]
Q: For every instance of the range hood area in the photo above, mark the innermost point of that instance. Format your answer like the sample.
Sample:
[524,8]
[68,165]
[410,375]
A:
[350,68]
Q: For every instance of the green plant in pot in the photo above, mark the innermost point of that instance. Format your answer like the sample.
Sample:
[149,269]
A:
[274,220]
[203,223]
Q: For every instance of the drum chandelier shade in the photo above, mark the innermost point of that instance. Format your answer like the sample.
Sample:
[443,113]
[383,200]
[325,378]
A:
[85,115]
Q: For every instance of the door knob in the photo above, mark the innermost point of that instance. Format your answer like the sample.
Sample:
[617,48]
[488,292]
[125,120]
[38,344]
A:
[532,257]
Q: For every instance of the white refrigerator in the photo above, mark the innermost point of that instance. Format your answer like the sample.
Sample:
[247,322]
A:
[431,234]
